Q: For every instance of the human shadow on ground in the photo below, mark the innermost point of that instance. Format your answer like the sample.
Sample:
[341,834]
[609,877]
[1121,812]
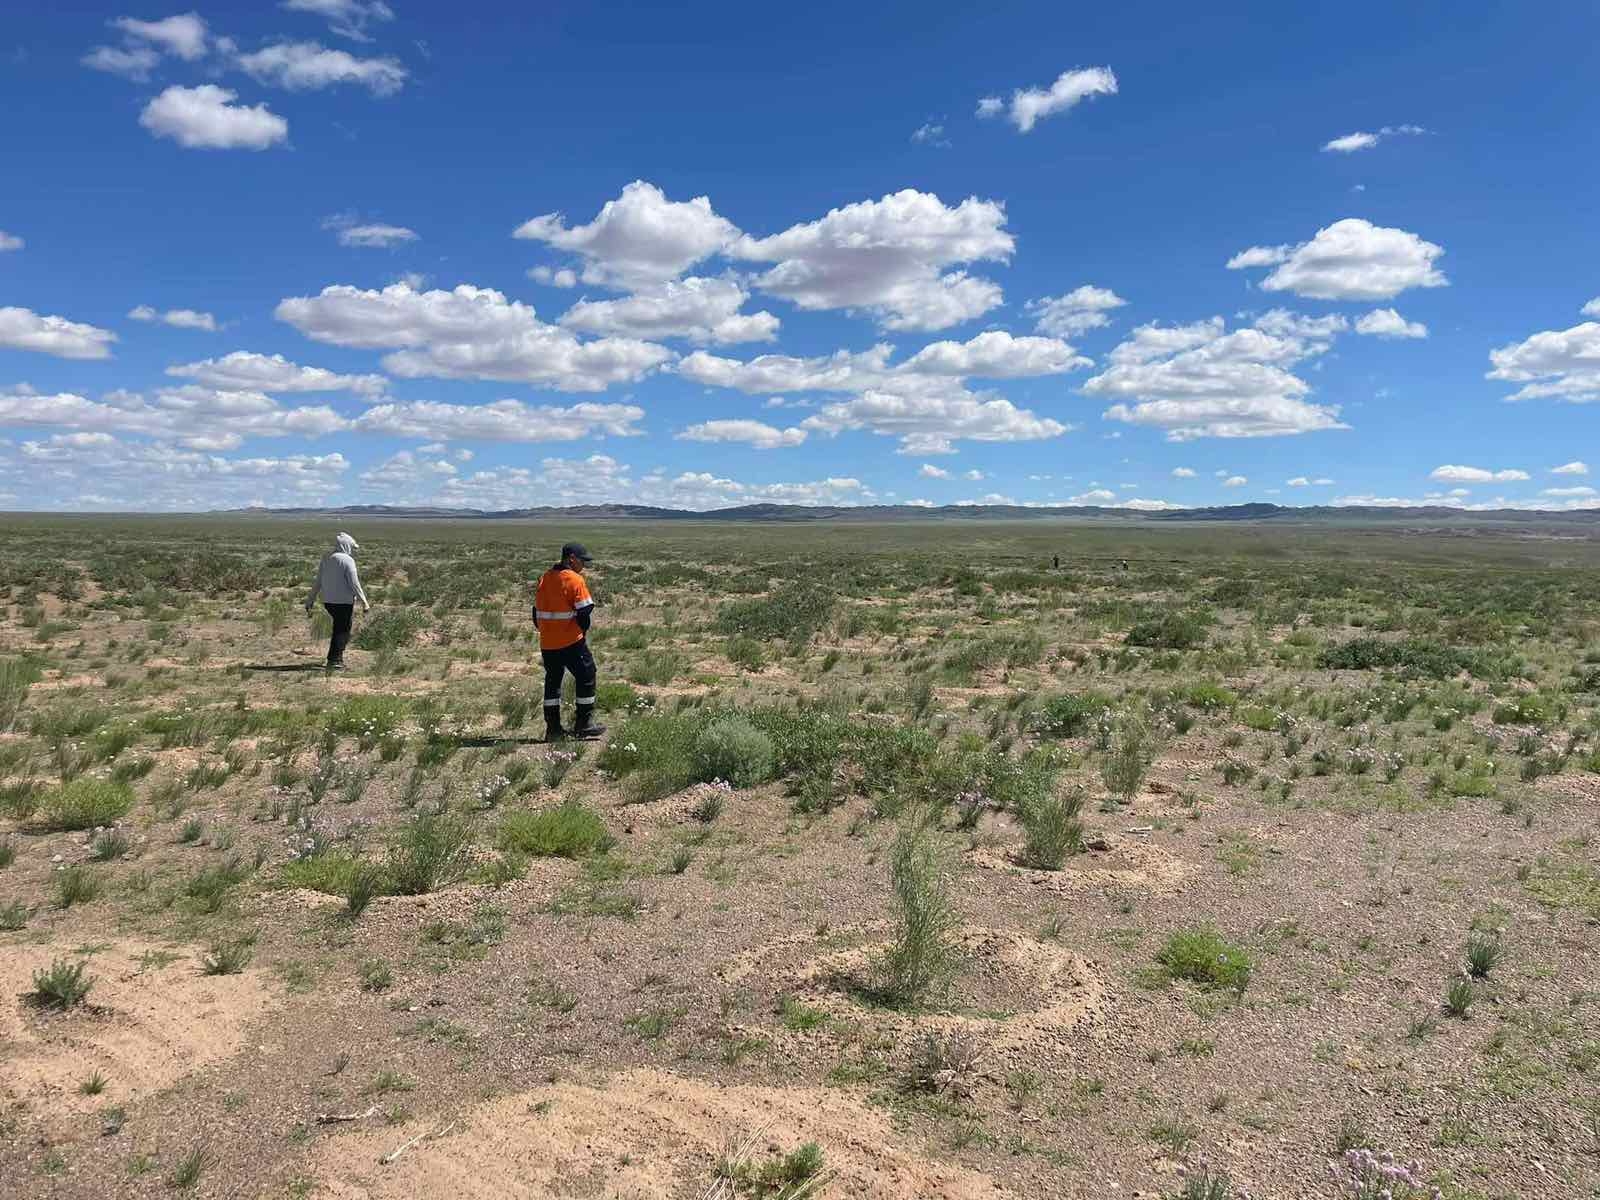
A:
[283,668]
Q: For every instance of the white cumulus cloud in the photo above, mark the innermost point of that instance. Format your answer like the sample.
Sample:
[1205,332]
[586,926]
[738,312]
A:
[1351,142]
[131,62]
[1029,106]
[183,36]
[888,257]
[1562,364]
[311,66]
[930,424]
[1351,259]
[369,234]
[1235,481]
[1572,468]
[1183,472]
[929,471]
[500,421]
[757,434]
[1592,309]
[347,18]
[24,329]
[10,241]
[205,118]
[244,371]
[703,310]
[1078,311]
[640,238]
[1198,381]
[467,333]
[1452,473]
[1387,323]
[178,318]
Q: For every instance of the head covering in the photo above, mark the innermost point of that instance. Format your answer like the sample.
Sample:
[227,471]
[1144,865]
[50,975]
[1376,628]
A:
[575,550]
[345,544]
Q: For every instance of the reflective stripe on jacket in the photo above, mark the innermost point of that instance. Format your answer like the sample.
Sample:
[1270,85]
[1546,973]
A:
[559,598]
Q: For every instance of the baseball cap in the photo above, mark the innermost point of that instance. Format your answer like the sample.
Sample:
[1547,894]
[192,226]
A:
[576,550]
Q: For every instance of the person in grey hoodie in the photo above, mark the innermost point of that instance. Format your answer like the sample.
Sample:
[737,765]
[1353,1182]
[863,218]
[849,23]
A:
[339,585]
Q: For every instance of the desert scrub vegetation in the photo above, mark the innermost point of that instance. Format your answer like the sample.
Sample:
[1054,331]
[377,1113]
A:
[569,830]
[922,955]
[83,803]
[1206,958]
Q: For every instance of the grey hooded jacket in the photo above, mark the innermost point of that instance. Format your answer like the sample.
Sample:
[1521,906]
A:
[336,581]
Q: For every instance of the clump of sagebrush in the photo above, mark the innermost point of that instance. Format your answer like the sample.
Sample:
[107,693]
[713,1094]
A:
[1131,751]
[944,1063]
[1071,714]
[17,675]
[1205,957]
[570,830]
[228,957]
[921,958]
[431,851]
[1053,828]
[62,985]
[391,629]
[733,749]
[793,613]
[84,804]
[1171,631]
[76,885]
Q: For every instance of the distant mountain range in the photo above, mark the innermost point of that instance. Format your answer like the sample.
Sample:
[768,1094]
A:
[1279,514]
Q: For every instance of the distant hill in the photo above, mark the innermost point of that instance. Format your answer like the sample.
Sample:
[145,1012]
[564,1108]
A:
[793,513]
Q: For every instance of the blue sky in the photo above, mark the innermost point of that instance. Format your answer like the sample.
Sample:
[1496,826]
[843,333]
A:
[347,251]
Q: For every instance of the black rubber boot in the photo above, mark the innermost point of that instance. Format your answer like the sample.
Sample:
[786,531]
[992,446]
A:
[552,728]
[585,726]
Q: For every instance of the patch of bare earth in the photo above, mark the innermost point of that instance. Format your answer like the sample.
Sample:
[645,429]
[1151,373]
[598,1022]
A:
[641,1135]
[143,1028]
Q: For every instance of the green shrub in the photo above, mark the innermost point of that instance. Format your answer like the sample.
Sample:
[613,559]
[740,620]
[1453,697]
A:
[17,675]
[431,851]
[1129,757]
[368,716]
[228,958]
[793,612]
[391,629]
[1070,715]
[1204,957]
[570,830]
[733,749]
[921,957]
[1170,631]
[1417,657]
[83,804]
[63,985]
[332,872]
[1530,709]
[1053,828]
[210,887]
[76,885]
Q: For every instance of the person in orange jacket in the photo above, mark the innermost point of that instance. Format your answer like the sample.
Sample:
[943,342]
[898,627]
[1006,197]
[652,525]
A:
[562,609]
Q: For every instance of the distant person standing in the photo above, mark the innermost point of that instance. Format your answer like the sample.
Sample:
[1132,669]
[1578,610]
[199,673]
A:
[562,610]
[339,585]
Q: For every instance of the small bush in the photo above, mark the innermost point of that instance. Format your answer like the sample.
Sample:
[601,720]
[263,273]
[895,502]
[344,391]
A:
[376,976]
[1458,997]
[367,716]
[17,675]
[733,749]
[1132,750]
[8,852]
[228,958]
[13,916]
[62,986]
[1053,828]
[430,852]
[1070,715]
[83,804]
[922,956]
[111,844]
[210,887]
[1170,631]
[1204,957]
[571,830]
[391,629]
[76,885]
[793,613]
[333,872]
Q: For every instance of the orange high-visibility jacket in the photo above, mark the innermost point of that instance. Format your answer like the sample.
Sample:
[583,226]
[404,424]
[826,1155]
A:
[561,596]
